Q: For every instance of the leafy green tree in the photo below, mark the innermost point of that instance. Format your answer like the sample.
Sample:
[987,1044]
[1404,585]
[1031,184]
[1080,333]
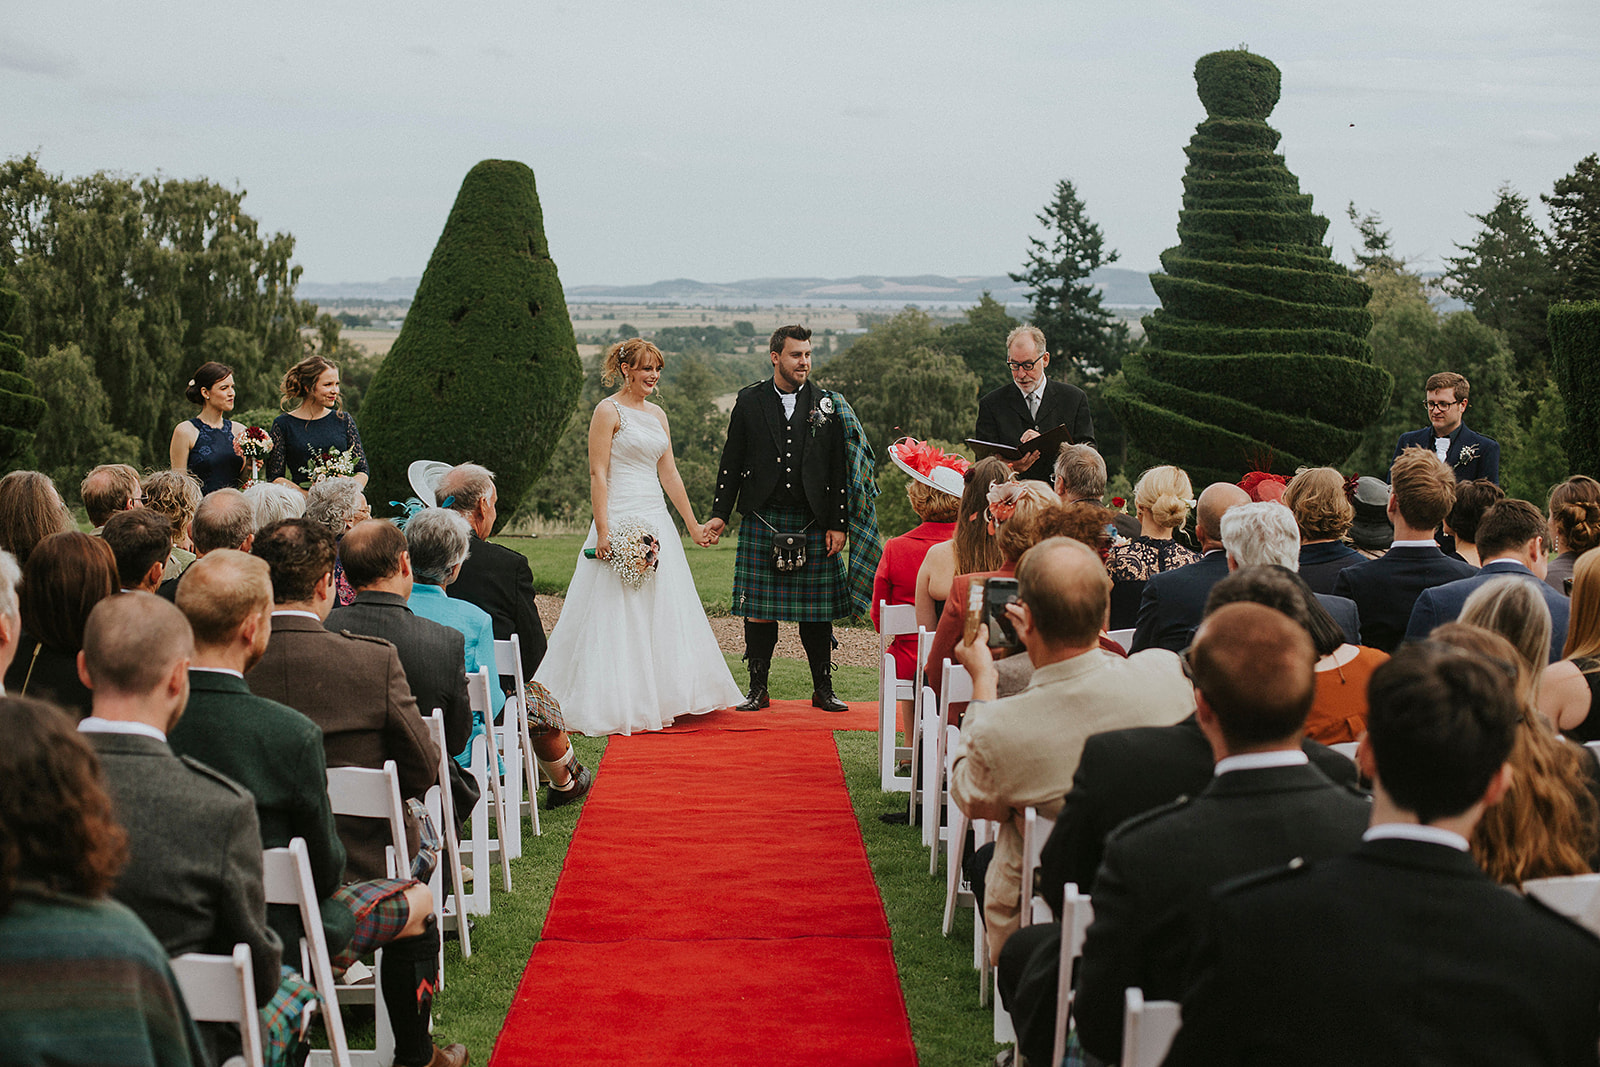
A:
[980,341]
[20,406]
[1504,276]
[699,430]
[1377,249]
[486,367]
[76,432]
[562,493]
[1066,305]
[1575,342]
[1574,206]
[1538,459]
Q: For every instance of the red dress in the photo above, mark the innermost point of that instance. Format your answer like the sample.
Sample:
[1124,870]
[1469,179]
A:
[896,582]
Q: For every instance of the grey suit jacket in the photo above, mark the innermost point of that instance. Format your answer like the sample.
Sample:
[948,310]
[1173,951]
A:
[194,853]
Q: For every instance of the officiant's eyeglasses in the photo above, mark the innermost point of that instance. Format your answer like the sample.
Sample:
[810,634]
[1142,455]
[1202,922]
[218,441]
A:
[1440,405]
[1023,365]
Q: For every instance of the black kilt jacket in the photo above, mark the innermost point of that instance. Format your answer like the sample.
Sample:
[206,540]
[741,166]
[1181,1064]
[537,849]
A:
[765,453]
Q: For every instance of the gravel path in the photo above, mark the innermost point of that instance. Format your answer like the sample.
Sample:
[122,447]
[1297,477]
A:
[858,646]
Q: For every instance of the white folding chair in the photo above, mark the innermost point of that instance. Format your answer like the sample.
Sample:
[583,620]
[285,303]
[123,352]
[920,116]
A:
[1035,829]
[1577,896]
[956,890]
[1148,1027]
[374,794]
[1347,749]
[918,741]
[442,807]
[955,688]
[1123,638]
[1077,912]
[480,846]
[286,877]
[894,620]
[984,831]
[222,989]
[508,660]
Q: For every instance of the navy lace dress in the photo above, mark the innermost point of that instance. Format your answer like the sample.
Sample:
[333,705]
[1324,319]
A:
[212,459]
[295,442]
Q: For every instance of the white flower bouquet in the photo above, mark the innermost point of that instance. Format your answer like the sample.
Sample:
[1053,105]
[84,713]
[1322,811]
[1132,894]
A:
[635,552]
[330,463]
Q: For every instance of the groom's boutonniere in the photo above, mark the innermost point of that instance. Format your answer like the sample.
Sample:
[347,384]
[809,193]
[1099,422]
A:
[1467,455]
[821,414]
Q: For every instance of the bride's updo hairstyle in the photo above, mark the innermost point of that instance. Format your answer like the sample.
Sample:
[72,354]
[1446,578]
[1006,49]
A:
[302,378]
[1167,493]
[632,353]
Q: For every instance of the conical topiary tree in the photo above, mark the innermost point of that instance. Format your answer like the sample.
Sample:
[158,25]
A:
[1258,357]
[1575,343]
[20,407]
[486,368]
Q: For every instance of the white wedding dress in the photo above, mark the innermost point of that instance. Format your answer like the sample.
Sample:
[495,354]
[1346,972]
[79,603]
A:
[623,659]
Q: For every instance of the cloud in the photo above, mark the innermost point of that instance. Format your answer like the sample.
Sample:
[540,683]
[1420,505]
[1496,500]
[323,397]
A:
[1537,138]
[424,50]
[30,59]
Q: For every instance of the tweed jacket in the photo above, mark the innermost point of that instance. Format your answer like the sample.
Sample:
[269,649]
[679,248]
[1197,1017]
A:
[354,688]
[760,455]
[1022,750]
[276,753]
[1003,416]
[194,853]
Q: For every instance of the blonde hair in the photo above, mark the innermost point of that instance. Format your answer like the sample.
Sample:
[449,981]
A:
[1515,609]
[1583,628]
[628,354]
[175,494]
[1321,509]
[930,504]
[1167,493]
[1025,528]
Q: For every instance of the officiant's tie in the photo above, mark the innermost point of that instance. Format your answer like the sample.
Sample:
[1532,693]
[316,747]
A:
[1033,406]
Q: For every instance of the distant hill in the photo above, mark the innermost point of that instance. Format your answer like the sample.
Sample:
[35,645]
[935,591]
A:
[1122,288]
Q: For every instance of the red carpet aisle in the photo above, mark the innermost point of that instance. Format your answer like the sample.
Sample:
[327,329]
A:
[716,908]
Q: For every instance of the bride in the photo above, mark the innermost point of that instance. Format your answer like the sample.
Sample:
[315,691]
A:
[633,658]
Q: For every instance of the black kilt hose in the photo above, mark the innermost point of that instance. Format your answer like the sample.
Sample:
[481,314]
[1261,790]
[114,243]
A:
[816,592]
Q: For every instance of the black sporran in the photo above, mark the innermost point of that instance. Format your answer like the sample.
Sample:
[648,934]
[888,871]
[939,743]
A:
[788,552]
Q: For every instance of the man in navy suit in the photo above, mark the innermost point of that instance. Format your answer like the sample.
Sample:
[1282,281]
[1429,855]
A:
[1265,532]
[1017,413]
[1510,541]
[1386,589]
[1470,455]
[1173,601]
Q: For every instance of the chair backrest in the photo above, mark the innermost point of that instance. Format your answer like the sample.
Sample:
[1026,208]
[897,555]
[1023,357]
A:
[222,989]
[1148,1027]
[956,688]
[1347,749]
[1577,896]
[286,878]
[1593,746]
[373,794]
[1077,912]
[478,693]
[1035,829]
[508,658]
[1123,638]
[894,620]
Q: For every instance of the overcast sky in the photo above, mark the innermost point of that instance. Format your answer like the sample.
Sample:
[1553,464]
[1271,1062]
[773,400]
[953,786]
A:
[726,140]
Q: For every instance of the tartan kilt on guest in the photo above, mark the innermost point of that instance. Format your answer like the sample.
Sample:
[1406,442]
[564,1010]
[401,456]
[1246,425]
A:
[381,912]
[816,592]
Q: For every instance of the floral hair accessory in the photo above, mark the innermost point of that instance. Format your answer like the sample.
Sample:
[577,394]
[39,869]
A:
[930,465]
[1350,485]
[1263,486]
[1003,497]
[1118,502]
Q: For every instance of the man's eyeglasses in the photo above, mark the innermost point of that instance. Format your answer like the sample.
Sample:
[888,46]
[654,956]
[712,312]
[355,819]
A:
[1023,365]
[1185,663]
[1440,405]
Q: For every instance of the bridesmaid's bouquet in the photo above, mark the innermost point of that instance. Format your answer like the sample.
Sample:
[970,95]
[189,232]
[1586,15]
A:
[330,463]
[635,552]
[253,445]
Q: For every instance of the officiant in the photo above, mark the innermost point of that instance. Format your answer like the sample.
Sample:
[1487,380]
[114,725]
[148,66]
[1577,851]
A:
[1015,414]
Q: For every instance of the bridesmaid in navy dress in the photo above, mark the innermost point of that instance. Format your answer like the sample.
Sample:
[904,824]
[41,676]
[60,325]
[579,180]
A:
[316,426]
[203,446]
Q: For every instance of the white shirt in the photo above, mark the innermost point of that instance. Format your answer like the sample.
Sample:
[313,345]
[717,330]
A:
[303,614]
[1032,399]
[92,725]
[219,670]
[1429,543]
[1407,831]
[1441,445]
[1258,761]
[788,401]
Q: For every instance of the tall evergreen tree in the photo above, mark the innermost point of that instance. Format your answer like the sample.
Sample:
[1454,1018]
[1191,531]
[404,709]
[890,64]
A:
[1574,206]
[1504,276]
[980,341]
[20,407]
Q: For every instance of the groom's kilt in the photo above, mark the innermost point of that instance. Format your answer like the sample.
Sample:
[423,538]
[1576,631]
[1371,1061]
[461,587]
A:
[815,593]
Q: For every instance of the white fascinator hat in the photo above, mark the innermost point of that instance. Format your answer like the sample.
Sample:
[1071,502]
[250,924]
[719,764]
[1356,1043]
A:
[930,465]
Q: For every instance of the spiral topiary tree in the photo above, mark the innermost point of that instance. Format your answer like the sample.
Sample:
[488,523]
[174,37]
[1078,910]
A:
[486,368]
[1257,358]
[21,409]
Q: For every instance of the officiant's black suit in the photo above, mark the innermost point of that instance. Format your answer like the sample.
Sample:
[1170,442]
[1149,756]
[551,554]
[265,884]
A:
[1003,417]
[765,452]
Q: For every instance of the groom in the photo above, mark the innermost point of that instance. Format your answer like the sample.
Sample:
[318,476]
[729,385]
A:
[784,465]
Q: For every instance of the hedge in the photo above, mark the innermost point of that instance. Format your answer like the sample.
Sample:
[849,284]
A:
[486,366]
[1575,344]
[21,408]
[1258,355]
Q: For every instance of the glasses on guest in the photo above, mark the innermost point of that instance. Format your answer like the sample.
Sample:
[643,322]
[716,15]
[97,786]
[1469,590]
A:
[1185,663]
[1440,405]
[1016,365]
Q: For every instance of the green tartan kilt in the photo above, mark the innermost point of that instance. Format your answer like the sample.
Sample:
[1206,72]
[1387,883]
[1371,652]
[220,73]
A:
[816,592]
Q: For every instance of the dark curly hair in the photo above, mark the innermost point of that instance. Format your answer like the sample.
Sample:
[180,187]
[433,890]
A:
[56,822]
[300,552]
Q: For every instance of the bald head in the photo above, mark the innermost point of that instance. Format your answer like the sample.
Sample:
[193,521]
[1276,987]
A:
[371,552]
[1067,591]
[132,643]
[224,519]
[221,590]
[1217,498]
[1254,667]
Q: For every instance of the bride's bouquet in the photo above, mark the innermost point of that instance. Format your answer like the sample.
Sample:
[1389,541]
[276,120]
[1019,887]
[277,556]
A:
[635,552]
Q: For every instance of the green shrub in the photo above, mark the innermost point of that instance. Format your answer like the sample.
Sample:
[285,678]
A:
[20,407]
[486,366]
[1258,357]
[1575,343]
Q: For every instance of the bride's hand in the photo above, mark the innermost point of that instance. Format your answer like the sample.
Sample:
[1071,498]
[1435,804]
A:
[697,534]
[602,547]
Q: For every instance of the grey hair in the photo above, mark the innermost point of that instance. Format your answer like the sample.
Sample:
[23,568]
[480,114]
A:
[1027,330]
[10,578]
[333,502]
[1261,533]
[438,541]
[468,483]
[1082,472]
[273,503]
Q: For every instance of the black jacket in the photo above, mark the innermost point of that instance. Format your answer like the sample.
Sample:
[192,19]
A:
[1003,416]
[1174,601]
[499,580]
[1386,589]
[764,451]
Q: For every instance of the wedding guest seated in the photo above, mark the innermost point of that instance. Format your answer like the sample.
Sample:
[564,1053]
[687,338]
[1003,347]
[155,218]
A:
[1574,526]
[1080,474]
[276,753]
[1266,806]
[1568,689]
[437,539]
[64,944]
[108,489]
[272,503]
[1511,542]
[1385,589]
[338,504]
[499,580]
[1172,603]
[1022,750]
[934,487]
[1324,515]
[141,541]
[194,845]
[971,548]
[1162,499]
[175,494]
[1404,950]
[1371,533]
[1473,498]
[1549,822]
[10,611]
[1265,532]
[30,511]
[224,519]
[67,575]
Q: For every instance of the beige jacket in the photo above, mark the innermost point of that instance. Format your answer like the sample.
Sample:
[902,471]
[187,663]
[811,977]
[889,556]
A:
[1022,750]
